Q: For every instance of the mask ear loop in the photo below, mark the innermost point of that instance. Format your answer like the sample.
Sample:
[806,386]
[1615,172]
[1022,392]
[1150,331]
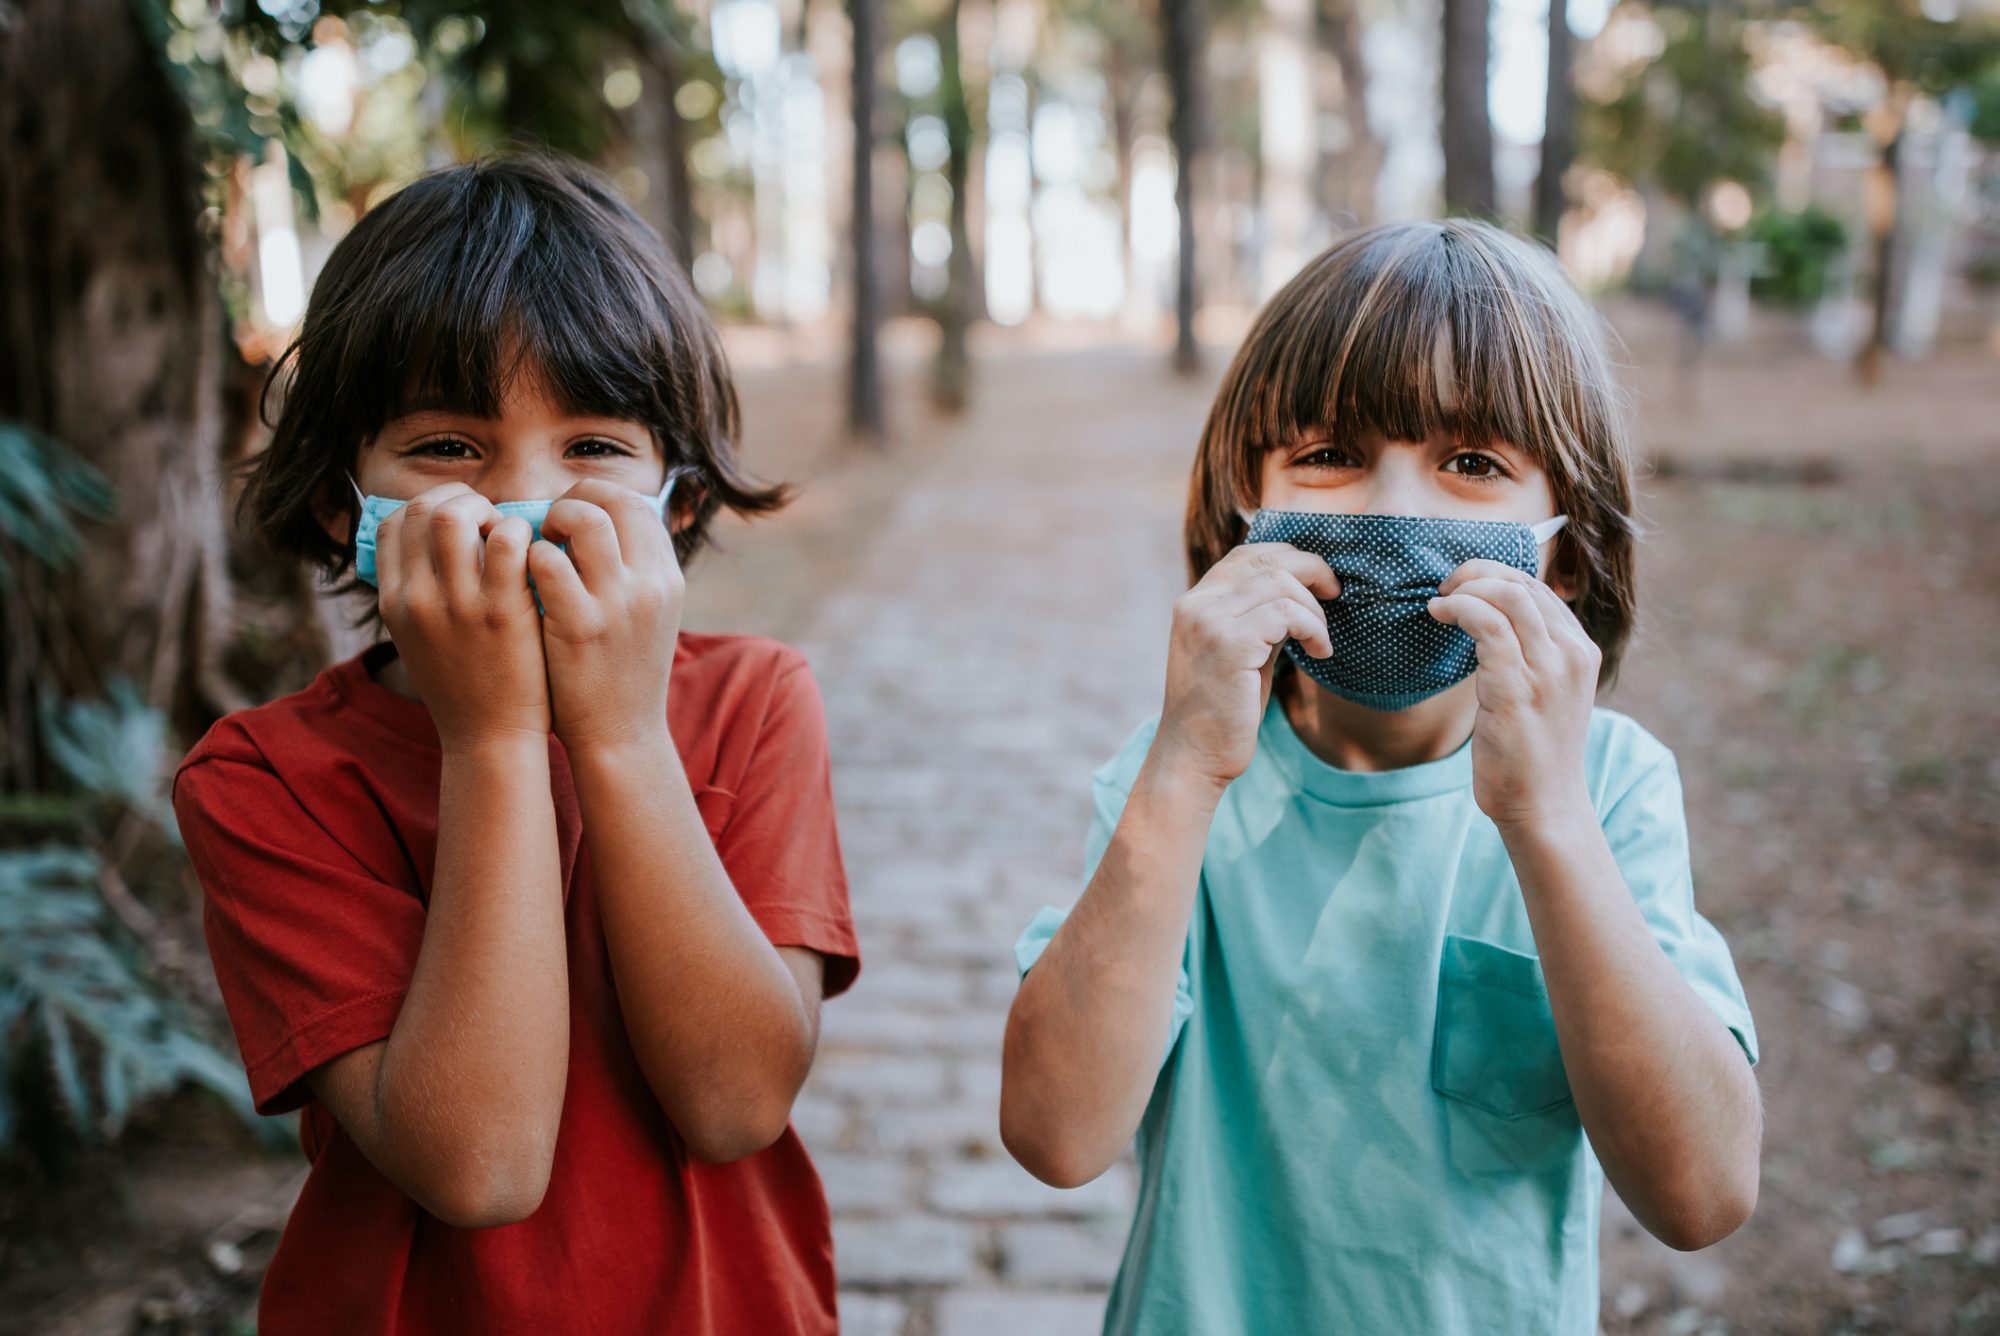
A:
[359,499]
[1546,530]
[675,476]
[662,502]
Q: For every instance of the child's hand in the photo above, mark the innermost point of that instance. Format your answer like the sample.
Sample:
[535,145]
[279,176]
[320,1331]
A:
[1536,682]
[1226,633]
[454,596]
[613,611]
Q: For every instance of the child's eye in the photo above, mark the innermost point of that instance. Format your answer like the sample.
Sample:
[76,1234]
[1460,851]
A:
[1484,468]
[1325,457]
[444,447]
[598,449]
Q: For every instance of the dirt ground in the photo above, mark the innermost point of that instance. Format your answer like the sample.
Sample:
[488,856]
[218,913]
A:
[1820,644]
[1822,648]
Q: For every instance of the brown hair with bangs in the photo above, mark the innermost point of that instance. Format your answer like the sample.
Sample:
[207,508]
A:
[465,279]
[1416,329]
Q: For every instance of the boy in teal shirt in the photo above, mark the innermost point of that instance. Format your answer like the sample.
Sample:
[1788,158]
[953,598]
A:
[1388,962]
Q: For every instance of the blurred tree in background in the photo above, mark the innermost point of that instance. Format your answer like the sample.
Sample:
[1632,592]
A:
[1919,55]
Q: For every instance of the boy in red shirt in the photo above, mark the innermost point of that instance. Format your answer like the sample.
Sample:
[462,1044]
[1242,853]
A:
[531,907]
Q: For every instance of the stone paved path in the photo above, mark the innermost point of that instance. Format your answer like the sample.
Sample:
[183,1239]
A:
[997,639]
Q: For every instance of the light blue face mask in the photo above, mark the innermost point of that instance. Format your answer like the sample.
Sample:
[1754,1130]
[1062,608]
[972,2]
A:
[375,509]
[1388,651]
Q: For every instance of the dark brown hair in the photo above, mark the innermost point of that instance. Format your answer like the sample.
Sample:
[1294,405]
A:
[451,288]
[1413,329]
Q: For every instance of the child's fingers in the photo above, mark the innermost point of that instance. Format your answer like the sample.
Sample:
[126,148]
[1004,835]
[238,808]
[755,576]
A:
[456,549]
[1488,627]
[642,538]
[402,559]
[1285,619]
[1294,595]
[565,601]
[389,555]
[505,572]
[1308,569]
[1563,623]
[592,539]
[1480,568]
[408,540]
[1524,615]
[1261,587]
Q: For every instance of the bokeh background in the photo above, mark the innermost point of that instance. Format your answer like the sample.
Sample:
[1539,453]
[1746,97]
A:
[979,264]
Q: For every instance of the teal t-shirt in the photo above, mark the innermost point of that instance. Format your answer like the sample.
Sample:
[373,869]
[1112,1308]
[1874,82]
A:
[1361,1122]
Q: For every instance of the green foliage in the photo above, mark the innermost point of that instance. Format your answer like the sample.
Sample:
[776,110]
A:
[83,1026]
[1798,247]
[514,71]
[115,751]
[1687,118]
[108,1038]
[206,65]
[1931,55]
[73,989]
[43,488]
[1984,95]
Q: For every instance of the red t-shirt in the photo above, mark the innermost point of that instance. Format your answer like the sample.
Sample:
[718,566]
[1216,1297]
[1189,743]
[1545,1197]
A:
[312,823]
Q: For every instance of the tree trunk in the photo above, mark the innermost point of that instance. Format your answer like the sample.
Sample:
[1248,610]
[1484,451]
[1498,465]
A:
[1559,130]
[1361,157]
[864,383]
[1884,190]
[676,182]
[1288,139]
[951,382]
[1185,31]
[1468,129]
[112,345]
[1121,86]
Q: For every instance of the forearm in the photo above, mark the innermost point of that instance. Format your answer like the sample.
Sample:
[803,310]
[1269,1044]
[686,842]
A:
[468,1093]
[1087,1029]
[1661,1086]
[719,1023]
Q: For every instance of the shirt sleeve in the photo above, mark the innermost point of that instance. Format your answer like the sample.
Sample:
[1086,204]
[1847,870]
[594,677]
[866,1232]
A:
[780,844]
[1108,804]
[1646,827]
[313,953]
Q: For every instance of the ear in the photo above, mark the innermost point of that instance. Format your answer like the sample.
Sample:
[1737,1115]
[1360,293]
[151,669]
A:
[334,508]
[1559,576]
[690,492]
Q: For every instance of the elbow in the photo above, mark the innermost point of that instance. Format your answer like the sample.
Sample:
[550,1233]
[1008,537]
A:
[734,1112]
[738,1141]
[486,1196]
[1040,1139]
[1038,1146]
[1702,1223]
[1057,1166]
[723,1135]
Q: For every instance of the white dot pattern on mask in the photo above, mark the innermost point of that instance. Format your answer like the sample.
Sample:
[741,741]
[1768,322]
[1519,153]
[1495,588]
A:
[1388,651]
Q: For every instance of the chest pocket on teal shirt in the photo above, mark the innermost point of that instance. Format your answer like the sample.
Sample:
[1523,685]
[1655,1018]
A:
[1495,1043]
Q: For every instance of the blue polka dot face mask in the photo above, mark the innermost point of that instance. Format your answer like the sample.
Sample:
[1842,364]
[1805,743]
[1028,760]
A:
[375,509]
[1388,651]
